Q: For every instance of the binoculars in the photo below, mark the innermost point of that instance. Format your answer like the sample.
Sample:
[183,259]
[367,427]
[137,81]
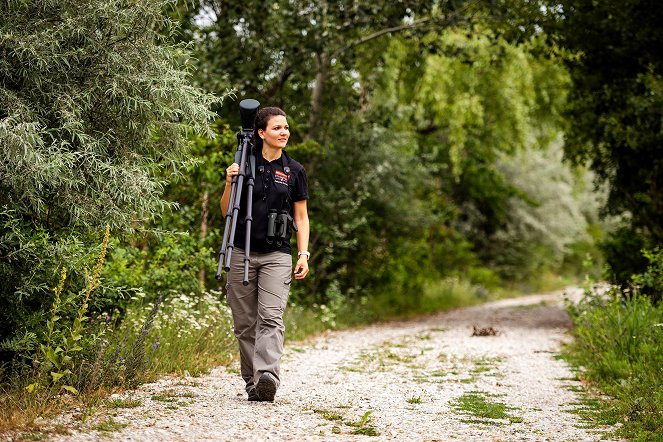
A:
[277,226]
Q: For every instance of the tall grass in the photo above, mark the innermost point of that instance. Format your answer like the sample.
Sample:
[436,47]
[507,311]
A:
[81,356]
[619,344]
[190,334]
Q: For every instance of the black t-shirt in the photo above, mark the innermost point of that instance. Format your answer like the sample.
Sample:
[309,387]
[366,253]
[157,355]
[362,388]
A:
[270,191]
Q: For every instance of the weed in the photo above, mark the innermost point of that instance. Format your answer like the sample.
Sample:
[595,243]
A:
[415,400]
[123,403]
[110,425]
[478,405]
[362,426]
[164,398]
[329,415]
[366,431]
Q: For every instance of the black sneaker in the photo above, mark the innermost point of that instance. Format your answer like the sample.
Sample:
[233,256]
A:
[253,396]
[266,388]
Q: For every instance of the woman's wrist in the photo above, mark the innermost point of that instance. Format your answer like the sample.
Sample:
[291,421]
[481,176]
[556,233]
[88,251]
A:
[304,253]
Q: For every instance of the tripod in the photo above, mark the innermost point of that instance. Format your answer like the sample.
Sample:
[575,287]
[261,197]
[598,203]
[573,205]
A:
[246,158]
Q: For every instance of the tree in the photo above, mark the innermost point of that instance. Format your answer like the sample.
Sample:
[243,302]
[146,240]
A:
[615,115]
[304,53]
[472,100]
[95,108]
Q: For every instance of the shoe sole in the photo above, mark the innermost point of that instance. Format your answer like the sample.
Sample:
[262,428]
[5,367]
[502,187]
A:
[266,389]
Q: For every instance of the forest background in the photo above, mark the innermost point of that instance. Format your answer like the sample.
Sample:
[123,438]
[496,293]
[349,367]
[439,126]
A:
[455,150]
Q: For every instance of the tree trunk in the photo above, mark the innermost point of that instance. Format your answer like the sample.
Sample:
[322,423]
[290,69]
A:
[317,94]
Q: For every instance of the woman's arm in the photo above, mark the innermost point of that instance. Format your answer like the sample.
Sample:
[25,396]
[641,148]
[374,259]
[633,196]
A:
[301,219]
[231,171]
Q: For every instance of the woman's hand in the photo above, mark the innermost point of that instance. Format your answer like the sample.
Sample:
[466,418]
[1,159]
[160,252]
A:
[231,171]
[301,269]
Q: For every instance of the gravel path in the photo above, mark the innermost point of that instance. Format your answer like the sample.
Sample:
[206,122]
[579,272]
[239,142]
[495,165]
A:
[412,380]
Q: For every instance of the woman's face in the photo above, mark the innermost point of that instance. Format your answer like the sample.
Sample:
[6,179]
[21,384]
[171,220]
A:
[277,132]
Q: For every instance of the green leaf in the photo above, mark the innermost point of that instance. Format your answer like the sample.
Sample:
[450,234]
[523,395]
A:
[70,389]
[57,376]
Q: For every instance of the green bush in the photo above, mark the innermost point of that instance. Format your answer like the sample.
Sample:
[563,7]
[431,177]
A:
[650,282]
[167,264]
[95,111]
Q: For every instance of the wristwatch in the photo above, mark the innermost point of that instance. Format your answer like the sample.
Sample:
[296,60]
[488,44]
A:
[304,252]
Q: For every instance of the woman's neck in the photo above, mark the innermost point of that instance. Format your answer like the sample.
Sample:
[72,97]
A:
[271,153]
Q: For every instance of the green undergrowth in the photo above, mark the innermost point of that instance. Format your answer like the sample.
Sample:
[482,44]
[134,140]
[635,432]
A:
[618,351]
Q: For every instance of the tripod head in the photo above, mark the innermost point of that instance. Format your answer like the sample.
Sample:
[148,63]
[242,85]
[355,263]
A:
[247,111]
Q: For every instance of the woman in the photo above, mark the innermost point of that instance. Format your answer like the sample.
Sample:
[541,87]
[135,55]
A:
[280,192]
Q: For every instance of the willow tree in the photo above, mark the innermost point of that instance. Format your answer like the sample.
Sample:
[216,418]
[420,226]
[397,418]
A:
[484,113]
[95,108]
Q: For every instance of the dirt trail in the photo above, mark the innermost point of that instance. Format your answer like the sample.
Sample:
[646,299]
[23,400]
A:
[423,380]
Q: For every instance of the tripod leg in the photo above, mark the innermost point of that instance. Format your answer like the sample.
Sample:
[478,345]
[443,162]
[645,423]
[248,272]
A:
[249,216]
[226,230]
[238,196]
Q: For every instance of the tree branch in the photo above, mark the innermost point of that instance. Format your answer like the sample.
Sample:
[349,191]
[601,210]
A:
[415,24]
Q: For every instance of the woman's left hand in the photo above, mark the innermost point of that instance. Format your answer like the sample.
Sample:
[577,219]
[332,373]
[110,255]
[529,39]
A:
[301,269]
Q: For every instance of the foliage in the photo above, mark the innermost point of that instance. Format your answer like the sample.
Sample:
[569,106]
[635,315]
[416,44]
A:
[371,222]
[95,107]
[619,342]
[486,117]
[302,55]
[543,225]
[61,346]
[650,282]
[182,333]
[615,112]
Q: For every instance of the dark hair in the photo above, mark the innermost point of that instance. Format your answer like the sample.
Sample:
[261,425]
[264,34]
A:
[262,118]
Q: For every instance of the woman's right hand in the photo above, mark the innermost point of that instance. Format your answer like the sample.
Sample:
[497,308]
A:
[231,171]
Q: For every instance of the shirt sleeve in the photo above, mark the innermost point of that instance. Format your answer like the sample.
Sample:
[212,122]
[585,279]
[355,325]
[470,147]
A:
[300,190]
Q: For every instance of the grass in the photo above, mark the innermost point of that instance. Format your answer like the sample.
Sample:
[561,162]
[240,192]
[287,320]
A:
[382,357]
[618,352]
[172,396]
[483,410]
[183,334]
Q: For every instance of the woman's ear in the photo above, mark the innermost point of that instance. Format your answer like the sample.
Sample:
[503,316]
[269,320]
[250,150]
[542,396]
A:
[261,133]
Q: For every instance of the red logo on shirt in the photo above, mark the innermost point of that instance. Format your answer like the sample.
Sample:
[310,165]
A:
[280,178]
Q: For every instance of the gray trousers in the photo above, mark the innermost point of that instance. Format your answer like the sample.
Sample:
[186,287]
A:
[257,310]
